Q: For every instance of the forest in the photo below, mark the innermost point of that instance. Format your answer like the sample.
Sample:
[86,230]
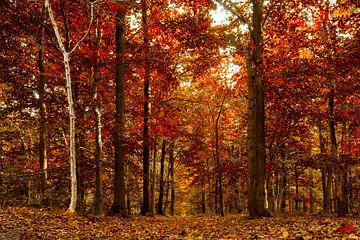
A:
[180,119]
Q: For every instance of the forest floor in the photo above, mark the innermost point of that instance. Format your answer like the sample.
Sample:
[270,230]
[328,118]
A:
[32,223]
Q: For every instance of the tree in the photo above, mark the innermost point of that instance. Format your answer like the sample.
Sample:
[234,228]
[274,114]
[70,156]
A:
[66,61]
[256,118]
[119,204]
[97,111]
[42,104]
[160,209]
[146,209]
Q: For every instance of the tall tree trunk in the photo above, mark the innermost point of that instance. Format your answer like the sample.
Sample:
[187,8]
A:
[311,194]
[80,143]
[209,200]
[146,162]
[42,104]
[283,193]
[97,113]
[203,202]
[172,181]
[160,209]
[297,200]
[326,176]
[66,55]
[119,204]
[153,182]
[167,185]
[219,186]
[98,156]
[256,119]
[341,200]
[72,128]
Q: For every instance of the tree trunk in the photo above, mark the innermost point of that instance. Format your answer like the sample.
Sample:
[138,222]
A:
[283,194]
[256,120]
[297,200]
[80,142]
[270,184]
[73,196]
[160,209]
[153,182]
[119,204]
[326,177]
[146,168]
[98,155]
[219,187]
[209,200]
[311,195]
[66,55]
[97,113]
[172,181]
[203,202]
[42,106]
[340,177]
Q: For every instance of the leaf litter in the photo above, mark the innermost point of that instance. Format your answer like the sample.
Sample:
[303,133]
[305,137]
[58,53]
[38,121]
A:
[32,223]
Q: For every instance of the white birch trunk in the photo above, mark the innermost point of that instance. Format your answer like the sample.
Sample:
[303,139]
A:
[66,54]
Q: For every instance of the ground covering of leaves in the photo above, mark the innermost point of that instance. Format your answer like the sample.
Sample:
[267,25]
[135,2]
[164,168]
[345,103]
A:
[32,223]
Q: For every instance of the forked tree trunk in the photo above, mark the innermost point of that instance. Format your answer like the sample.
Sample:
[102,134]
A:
[146,162]
[119,203]
[42,106]
[66,60]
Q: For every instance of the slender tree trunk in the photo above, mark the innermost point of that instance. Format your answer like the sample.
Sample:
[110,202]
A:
[203,202]
[217,157]
[119,204]
[209,200]
[326,176]
[73,198]
[283,194]
[42,104]
[97,113]
[297,201]
[153,176]
[172,181]
[256,120]
[98,156]
[80,142]
[160,209]
[167,185]
[66,55]
[340,178]
[311,194]
[146,168]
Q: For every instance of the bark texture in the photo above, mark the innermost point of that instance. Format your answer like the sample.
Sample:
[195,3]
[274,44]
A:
[119,204]
[256,120]
[42,106]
